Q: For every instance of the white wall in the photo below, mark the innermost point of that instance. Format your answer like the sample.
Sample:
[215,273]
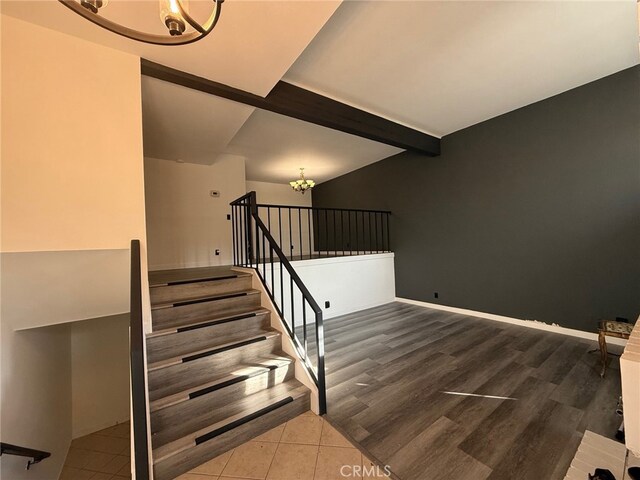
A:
[184,223]
[283,194]
[99,373]
[36,396]
[46,288]
[349,283]
[72,188]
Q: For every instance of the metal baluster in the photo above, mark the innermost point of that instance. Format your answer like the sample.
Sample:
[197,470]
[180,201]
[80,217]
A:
[322,388]
[249,217]
[370,234]
[357,236]
[233,232]
[335,235]
[326,231]
[280,225]
[281,292]
[241,238]
[388,234]
[375,221]
[290,238]
[293,315]
[273,286]
[350,240]
[304,328]
[309,226]
[300,229]
[342,231]
[364,243]
[257,253]
[264,256]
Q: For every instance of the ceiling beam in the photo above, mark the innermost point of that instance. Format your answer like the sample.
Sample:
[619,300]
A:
[292,101]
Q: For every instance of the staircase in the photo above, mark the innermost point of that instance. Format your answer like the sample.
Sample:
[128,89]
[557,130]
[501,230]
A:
[217,375]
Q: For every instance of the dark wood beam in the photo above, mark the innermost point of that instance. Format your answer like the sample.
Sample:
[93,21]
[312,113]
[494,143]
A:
[296,102]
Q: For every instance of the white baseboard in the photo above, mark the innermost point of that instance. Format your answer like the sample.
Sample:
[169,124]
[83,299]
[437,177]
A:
[516,321]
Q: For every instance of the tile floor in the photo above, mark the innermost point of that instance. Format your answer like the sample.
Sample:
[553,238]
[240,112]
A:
[103,455]
[305,448]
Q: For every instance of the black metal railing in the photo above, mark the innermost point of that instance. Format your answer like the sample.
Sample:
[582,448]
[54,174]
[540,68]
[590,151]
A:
[138,383]
[313,232]
[36,456]
[255,247]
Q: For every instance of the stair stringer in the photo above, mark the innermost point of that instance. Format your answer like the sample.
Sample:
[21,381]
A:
[301,372]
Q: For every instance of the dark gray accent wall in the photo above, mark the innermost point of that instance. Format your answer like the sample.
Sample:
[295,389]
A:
[534,214]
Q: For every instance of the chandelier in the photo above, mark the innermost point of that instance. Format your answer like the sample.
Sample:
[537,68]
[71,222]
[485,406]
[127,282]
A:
[302,184]
[181,27]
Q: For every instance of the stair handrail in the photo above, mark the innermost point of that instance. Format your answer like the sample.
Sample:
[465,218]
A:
[36,455]
[250,257]
[138,381]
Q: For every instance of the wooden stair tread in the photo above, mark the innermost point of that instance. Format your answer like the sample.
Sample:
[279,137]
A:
[221,378]
[209,319]
[187,432]
[230,341]
[205,298]
[161,278]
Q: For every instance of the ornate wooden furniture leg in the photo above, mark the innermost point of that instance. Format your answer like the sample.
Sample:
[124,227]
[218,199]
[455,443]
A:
[612,329]
[602,340]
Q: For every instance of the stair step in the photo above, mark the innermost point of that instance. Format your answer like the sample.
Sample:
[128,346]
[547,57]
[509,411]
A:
[201,402]
[223,379]
[185,290]
[209,320]
[189,275]
[176,378]
[203,335]
[175,465]
[185,432]
[228,343]
[185,312]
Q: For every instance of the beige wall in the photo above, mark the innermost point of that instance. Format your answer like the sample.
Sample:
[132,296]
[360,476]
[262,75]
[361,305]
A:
[184,223]
[283,194]
[72,185]
[99,373]
[72,175]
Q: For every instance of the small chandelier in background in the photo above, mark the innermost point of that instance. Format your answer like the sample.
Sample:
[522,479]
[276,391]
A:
[181,26]
[302,184]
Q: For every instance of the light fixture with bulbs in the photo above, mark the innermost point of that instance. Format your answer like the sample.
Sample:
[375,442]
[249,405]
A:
[302,184]
[181,26]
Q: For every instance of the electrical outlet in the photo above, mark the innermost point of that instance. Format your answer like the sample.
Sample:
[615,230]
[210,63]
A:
[435,294]
[217,252]
[228,216]
[327,304]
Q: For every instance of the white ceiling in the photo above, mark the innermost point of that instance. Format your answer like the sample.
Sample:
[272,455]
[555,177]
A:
[184,124]
[194,127]
[443,66]
[275,147]
[435,66]
[251,48]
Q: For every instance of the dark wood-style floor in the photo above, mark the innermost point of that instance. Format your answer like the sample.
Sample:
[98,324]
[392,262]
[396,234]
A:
[389,370]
